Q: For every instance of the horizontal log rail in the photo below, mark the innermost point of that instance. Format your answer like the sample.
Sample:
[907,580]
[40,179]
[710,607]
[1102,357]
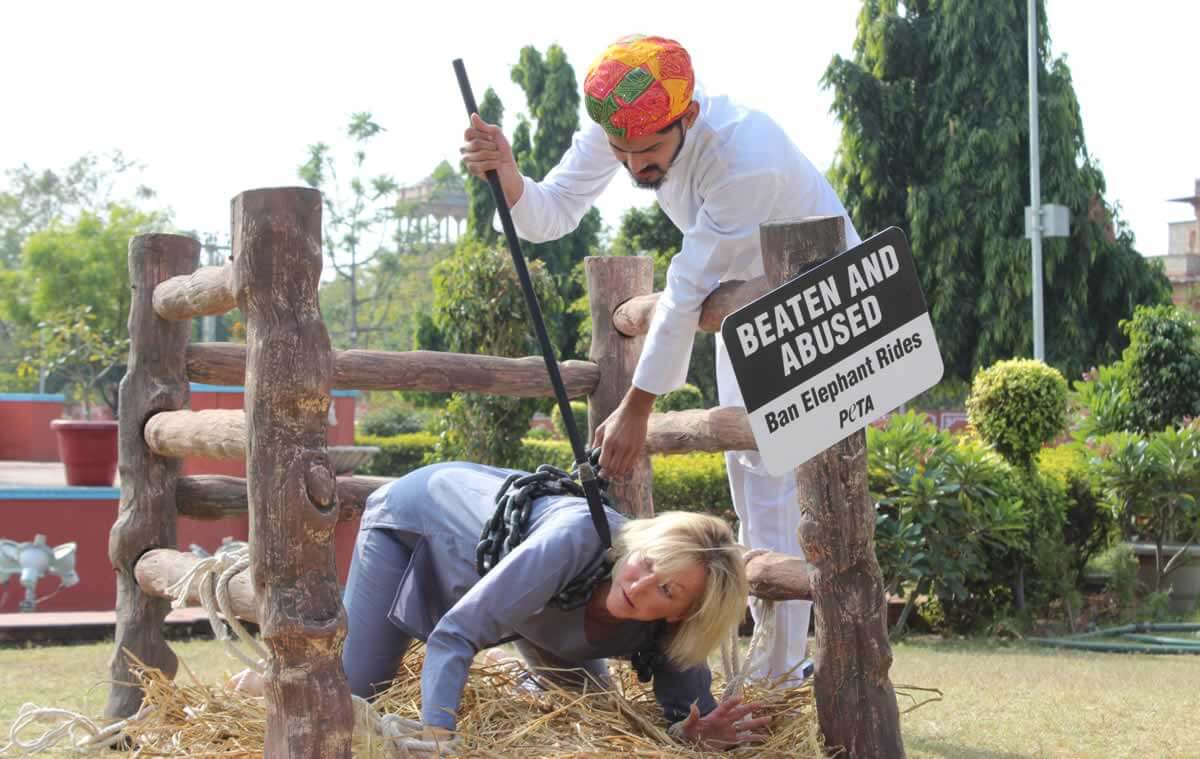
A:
[724,428]
[161,568]
[773,576]
[208,291]
[427,371]
[221,434]
[633,317]
[209,434]
[214,496]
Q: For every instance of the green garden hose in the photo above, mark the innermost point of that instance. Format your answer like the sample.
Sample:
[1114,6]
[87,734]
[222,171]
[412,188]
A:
[1131,639]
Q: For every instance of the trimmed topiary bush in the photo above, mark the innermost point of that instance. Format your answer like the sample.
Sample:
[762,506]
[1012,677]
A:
[1018,405]
[681,399]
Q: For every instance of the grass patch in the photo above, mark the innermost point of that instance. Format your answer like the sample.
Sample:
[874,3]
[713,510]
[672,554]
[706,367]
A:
[1000,700]
[1014,700]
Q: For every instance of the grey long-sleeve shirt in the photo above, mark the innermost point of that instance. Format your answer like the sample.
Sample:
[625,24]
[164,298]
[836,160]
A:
[439,512]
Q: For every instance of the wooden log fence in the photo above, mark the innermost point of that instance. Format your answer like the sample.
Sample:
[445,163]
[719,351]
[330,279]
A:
[292,497]
[221,433]
[856,704]
[632,317]
[428,371]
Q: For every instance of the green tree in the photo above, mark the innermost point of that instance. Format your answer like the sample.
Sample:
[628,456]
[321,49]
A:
[80,264]
[37,197]
[552,100]
[935,140]
[1163,367]
[552,97]
[1155,385]
[358,218]
[85,356]
[479,308]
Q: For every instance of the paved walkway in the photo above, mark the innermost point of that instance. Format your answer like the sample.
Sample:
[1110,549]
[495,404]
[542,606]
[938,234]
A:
[88,625]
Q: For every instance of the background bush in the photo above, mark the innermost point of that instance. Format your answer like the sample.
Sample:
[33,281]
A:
[479,308]
[1163,367]
[1155,384]
[398,455]
[690,482]
[946,515]
[1018,405]
[579,410]
[681,399]
[391,421]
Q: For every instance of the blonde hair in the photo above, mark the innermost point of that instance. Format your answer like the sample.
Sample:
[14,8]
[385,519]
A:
[674,540]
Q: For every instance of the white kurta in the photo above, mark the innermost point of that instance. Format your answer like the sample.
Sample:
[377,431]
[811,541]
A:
[737,169]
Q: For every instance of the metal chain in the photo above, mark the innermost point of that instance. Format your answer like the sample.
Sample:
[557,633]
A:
[506,529]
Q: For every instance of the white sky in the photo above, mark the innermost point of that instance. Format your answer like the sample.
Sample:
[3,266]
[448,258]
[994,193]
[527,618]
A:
[220,97]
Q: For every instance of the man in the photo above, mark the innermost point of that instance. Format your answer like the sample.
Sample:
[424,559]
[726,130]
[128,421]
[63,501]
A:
[719,170]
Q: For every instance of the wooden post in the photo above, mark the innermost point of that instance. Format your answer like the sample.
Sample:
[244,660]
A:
[856,705]
[611,280]
[290,483]
[156,380]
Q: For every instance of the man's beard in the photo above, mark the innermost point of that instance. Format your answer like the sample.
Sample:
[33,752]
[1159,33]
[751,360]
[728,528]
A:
[657,183]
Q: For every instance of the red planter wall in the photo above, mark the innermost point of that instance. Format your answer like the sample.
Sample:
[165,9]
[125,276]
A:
[85,516]
[25,433]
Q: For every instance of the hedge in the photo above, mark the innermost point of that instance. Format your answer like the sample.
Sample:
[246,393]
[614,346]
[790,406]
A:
[398,455]
[690,482]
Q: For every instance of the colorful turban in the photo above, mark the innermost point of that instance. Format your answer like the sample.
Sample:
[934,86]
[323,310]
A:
[639,85]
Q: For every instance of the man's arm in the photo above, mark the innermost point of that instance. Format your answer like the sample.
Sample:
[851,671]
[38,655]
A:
[546,210]
[723,238]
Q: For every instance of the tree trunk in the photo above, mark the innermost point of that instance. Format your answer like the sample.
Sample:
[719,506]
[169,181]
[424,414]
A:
[856,705]
[293,502]
[155,381]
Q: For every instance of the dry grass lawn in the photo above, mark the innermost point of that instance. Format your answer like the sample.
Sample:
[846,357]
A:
[1000,700]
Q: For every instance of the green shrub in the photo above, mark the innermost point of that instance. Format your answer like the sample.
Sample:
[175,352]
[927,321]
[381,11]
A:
[947,515]
[681,399]
[479,308]
[1088,523]
[1155,385]
[579,410]
[539,433]
[399,454]
[692,482]
[1163,361]
[532,453]
[1018,405]
[391,421]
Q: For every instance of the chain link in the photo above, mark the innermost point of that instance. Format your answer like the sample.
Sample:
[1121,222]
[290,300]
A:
[506,529]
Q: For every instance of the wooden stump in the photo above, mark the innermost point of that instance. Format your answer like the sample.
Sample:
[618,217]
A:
[291,487]
[155,381]
[856,704]
[611,280]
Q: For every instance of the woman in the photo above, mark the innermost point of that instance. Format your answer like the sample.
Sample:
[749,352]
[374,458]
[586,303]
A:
[678,581]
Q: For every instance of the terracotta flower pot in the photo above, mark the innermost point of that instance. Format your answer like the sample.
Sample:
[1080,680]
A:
[88,451]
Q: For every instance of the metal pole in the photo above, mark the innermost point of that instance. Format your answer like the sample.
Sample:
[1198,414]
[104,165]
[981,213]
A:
[1035,189]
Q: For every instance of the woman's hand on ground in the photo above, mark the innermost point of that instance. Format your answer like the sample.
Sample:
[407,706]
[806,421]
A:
[249,682]
[730,724]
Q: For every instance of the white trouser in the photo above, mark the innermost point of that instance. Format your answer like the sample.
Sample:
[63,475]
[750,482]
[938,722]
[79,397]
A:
[770,518]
